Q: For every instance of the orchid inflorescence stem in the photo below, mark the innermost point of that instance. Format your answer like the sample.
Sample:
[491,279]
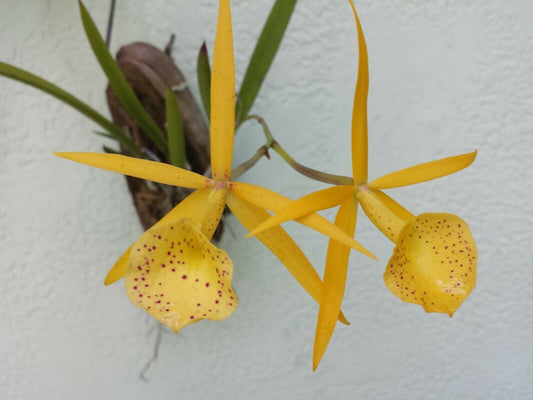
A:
[273,144]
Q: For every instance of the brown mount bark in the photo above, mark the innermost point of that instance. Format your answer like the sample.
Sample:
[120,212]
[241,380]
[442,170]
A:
[150,72]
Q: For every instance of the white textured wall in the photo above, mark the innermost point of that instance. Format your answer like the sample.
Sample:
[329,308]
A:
[446,77]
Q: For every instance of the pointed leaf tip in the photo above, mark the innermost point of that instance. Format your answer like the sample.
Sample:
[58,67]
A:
[203,74]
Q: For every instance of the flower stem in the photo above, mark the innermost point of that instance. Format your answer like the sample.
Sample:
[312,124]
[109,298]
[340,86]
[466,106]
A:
[245,166]
[310,172]
[271,143]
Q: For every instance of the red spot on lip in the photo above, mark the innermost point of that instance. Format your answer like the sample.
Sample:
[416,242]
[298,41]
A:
[184,277]
[207,284]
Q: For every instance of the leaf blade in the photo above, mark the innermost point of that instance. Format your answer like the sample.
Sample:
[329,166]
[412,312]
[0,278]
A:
[203,74]
[176,139]
[263,55]
[43,85]
[118,82]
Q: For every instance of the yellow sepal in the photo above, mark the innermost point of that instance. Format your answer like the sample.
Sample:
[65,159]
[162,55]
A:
[281,245]
[316,201]
[179,277]
[334,280]
[222,96]
[139,168]
[433,263]
[275,202]
[424,172]
[118,270]
[359,114]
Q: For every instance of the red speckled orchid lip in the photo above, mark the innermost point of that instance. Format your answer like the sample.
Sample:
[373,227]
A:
[434,263]
[179,277]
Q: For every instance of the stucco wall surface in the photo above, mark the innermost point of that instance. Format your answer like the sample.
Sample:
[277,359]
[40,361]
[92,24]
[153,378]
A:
[446,77]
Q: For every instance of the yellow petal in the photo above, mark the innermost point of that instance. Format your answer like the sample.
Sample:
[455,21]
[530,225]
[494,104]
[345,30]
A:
[392,205]
[306,205]
[222,96]
[272,201]
[139,168]
[359,114]
[424,172]
[434,263]
[334,281]
[193,207]
[216,202]
[179,277]
[282,245]
[382,217]
[118,270]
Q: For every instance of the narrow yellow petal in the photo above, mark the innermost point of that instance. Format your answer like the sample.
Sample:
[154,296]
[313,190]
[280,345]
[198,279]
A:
[193,206]
[118,270]
[282,245]
[272,201]
[316,201]
[424,172]
[222,96]
[381,216]
[359,114]
[392,205]
[434,263]
[334,281]
[216,203]
[179,277]
[139,168]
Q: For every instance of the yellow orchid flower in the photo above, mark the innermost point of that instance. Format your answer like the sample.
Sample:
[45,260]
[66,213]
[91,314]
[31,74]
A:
[434,261]
[172,271]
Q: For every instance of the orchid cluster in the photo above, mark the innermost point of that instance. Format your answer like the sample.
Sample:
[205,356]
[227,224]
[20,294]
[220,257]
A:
[176,274]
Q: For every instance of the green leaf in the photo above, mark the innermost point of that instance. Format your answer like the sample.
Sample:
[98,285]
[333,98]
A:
[203,73]
[263,54]
[118,82]
[28,78]
[103,134]
[109,150]
[176,140]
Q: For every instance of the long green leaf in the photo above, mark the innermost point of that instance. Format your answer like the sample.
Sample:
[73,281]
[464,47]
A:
[263,54]
[203,73]
[118,82]
[109,150]
[28,78]
[176,140]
